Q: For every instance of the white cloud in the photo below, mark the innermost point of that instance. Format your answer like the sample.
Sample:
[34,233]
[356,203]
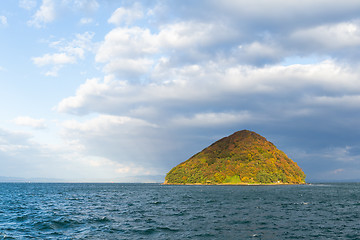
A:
[22,157]
[45,14]
[3,21]
[54,59]
[337,171]
[194,101]
[68,52]
[211,83]
[129,68]
[13,138]
[126,141]
[257,53]
[345,102]
[95,88]
[76,47]
[342,154]
[27,4]
[85,5]
[342,35]
[129,52]
[127,43]
[30,122]
[53,72]
[292,30]
[104,125]
[205,120]
[49,10]
[126,15]
[84,21]
[192,34]
[286,13]
[13,143]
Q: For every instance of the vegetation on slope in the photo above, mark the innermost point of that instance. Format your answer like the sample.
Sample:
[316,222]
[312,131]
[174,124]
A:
[245,157]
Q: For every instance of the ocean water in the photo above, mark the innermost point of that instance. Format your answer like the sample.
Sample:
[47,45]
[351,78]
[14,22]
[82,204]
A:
[155,211]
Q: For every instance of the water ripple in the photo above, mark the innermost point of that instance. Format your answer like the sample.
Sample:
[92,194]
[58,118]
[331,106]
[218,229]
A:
[153,211]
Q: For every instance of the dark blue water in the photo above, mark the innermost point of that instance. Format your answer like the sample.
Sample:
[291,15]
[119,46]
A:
[154,211]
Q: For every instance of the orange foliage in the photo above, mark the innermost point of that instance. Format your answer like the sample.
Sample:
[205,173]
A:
[244,156]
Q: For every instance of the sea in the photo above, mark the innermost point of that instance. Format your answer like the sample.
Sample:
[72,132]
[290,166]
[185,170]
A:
[155,211]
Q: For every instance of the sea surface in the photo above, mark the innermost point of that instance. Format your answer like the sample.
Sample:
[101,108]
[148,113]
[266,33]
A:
[155,211]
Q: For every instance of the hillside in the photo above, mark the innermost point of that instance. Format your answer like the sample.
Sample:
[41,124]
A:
[244,157]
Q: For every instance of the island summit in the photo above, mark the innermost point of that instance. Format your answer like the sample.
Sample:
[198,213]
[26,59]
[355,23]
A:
[244,157]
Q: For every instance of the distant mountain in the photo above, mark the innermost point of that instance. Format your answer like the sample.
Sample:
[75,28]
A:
[16,179]
[141,179]
[11,179]
[128,179]
[244,157]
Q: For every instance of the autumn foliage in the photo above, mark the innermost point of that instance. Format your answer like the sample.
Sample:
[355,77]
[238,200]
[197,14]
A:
[244,157]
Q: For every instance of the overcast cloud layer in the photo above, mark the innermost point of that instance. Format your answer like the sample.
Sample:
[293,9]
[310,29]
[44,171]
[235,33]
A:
[147,84]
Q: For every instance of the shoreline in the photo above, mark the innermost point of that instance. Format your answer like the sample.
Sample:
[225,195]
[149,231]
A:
[234,184]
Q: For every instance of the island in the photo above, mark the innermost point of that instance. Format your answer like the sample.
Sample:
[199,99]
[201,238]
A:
[243,158]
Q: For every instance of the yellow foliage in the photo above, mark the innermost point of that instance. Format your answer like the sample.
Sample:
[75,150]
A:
[244,154]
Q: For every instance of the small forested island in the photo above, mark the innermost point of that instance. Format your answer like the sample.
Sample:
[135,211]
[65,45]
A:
[244,157]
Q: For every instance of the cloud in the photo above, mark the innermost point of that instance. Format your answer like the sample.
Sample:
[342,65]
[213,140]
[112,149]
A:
[104,123]
[3,21]
[343,154]
[45,14]
[126,52]
[30,122]
[273,33]
[131,52]
[336,161]
[258,54]
[212,83]
[50,10]
[274,17]
[27,4]
[22,157]
[12,140]
[57,60]
[84,21]
[337,171]
[347,101]
[84,5]
[194,104]
[342,35]
[124,140]
[127,42]
[133,146]
[190,34]
[54,59]
[218,119]
[95,88]
[68,52]
[126,15]
[15,145]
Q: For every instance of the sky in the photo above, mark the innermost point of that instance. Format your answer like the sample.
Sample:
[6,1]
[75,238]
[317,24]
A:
[104,90]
